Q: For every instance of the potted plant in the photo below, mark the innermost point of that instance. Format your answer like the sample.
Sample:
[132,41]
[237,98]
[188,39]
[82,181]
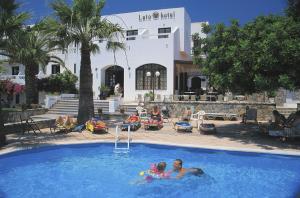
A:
[122,110]
[149,96]
[271,96]
[103,92]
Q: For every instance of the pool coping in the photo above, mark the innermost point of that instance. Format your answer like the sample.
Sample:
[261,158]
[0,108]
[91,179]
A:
[220,148]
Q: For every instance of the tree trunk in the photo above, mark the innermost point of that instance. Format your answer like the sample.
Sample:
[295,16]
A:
[31,88]
[86,102]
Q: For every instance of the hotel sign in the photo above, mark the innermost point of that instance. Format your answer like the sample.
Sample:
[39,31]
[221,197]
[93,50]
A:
[157,16]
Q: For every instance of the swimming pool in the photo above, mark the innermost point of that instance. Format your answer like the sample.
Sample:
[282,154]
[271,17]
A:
[94,170]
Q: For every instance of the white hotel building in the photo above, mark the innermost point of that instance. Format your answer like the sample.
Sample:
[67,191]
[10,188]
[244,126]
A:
[156,41]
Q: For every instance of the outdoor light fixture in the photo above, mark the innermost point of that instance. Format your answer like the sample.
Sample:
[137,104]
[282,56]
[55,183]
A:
[157,73]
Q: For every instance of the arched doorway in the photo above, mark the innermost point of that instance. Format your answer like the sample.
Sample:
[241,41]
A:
[196,83]
[114,75]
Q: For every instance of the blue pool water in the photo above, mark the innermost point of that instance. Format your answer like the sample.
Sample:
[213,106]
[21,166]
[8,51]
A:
[94,170]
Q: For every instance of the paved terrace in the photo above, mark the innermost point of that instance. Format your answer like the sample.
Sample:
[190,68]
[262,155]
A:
[231,135]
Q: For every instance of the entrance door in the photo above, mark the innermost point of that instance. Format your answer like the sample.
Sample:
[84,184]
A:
[113,76]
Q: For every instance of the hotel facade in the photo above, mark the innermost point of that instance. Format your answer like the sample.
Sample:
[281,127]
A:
[157,56]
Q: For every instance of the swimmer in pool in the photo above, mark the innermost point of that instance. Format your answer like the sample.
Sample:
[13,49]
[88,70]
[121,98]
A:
[177,167]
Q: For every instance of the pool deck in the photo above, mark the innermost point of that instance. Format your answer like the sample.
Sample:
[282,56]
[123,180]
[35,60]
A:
[231,135]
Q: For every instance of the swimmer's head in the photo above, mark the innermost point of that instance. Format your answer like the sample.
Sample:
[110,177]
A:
[177,165]
[161,166]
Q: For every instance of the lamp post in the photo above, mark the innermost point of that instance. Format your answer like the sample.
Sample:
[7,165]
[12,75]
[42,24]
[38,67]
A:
[148,74]
[156,74]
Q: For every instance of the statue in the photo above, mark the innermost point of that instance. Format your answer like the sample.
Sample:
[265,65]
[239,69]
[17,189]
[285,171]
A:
[117,90]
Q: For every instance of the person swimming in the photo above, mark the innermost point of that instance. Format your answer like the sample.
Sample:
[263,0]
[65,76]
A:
[177,167]
[156,172]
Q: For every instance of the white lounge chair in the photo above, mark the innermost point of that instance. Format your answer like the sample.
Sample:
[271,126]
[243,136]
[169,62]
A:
[198,118]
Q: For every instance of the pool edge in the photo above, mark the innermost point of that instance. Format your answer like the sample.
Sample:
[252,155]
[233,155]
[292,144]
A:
[224,148]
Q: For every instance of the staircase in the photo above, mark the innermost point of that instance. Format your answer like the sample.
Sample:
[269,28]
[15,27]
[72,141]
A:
[70,107]
[286,111]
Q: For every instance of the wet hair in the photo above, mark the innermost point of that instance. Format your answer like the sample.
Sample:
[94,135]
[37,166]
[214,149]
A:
[180,161]
[161,166]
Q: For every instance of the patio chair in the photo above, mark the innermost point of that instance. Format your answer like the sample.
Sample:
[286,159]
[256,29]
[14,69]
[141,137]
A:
[168,98]
[220,98]
[251,116]
[139,98]
[186,97]
[165,113]
[203,97]
[198,118]
[158,97]
[28,125]
[176,98]
[193,97]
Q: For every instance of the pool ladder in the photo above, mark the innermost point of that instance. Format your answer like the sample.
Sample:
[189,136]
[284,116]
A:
[117,140]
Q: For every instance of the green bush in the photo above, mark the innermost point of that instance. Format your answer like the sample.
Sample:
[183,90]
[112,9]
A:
[62,83]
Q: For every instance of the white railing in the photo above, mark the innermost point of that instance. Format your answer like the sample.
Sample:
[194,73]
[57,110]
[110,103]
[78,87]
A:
[20,79]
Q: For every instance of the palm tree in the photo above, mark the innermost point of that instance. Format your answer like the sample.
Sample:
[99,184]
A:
[10,22]
[32,48]
[81,23]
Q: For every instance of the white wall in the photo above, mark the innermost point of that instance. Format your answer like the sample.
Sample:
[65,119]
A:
[146,49]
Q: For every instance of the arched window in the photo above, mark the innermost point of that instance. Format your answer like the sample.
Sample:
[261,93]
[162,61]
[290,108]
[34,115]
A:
[143,82]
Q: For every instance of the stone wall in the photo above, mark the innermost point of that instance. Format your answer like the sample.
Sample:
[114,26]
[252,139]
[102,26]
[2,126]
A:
[264,110]
[14,116]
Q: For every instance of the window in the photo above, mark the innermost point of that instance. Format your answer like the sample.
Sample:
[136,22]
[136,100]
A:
[146,83]
[74,68]
[164,30]
[15,70]
[132,32]
[163,36]
[55,69]
[130,38]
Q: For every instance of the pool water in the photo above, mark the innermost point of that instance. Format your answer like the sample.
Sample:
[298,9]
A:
[94,170]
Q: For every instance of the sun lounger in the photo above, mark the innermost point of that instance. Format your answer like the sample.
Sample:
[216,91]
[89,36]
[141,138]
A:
[224,116]
[208,128]
[183,126]
[63,123]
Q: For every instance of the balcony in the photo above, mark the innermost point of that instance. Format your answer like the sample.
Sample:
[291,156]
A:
[19,79]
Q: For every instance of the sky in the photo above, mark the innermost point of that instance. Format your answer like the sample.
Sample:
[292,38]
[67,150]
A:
[213,11]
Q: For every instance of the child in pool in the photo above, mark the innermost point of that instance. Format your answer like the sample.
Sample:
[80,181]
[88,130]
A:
[157,172]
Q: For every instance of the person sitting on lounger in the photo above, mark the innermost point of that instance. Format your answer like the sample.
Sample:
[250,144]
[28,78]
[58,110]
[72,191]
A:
[279,120]
[293,120]
[186,114]
[155,113]
[177,167]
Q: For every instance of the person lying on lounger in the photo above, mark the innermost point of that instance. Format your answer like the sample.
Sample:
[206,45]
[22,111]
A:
[133,118]
[177,167]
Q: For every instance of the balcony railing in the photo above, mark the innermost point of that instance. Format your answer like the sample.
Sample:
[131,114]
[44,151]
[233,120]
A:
[20,79]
